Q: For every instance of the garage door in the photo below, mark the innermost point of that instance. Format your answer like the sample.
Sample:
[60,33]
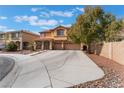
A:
[58,46]
[66,46]
[72,46]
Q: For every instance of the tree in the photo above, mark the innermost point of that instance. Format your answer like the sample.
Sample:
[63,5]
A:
[110,27]
[94,26]
[11,47]
[84,30]
[31,46]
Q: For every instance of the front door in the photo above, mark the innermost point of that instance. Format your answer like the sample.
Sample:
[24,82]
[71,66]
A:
[46,45]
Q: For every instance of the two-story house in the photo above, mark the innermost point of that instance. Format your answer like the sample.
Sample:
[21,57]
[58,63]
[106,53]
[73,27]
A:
[21,38]
[55,39]
[2,42]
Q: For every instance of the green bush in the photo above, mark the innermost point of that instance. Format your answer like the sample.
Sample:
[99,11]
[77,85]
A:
[11,47]
[31,47]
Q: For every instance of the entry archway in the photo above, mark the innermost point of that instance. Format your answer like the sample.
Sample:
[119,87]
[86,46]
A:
[18,44]
[84,48]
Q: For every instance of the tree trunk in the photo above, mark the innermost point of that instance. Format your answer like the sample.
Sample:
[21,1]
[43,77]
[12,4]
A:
[89,49]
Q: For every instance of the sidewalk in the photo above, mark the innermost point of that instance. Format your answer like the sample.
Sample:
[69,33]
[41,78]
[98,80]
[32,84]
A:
[114,74]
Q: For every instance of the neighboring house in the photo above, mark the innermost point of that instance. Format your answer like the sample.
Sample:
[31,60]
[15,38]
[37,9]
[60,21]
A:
[22,38]
[2,40]
[55,39]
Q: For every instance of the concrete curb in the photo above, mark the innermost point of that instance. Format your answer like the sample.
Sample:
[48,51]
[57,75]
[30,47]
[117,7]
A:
[36,53]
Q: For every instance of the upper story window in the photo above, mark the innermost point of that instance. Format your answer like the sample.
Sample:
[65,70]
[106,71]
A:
[60,33]
[14,35]
[7,36]
[2,36]
[42,35]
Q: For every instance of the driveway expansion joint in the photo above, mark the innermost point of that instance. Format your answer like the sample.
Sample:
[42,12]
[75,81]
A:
[48,75]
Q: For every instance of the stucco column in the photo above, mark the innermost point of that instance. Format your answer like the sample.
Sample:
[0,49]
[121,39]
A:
[21,45]
[34,45]
[42,47]
[21,42]
[62,45]
[50,47]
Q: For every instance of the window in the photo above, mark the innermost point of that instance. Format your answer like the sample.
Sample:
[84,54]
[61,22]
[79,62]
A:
[7,36]
[15,35]
[42,35]
[60,33]
[2,36]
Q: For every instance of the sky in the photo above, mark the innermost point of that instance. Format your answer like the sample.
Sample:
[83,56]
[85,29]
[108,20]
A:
[37,18]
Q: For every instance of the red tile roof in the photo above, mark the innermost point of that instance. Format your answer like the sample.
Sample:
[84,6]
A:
[50,30]
[43,39]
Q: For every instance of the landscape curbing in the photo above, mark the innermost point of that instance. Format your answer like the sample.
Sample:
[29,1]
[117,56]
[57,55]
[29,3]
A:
[35,53]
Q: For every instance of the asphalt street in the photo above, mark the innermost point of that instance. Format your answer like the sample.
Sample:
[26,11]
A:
[6,65]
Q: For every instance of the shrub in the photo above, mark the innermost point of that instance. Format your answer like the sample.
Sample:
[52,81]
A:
[31,47]
[11,47]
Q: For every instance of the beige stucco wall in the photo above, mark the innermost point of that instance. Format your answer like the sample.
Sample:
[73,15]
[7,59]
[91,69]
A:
[118,52]
[105,50]
[53,34]
[114,51]
[8,38]
[26,37]
[48,34]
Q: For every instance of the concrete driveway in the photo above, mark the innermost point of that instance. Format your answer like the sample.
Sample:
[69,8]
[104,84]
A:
[54,69]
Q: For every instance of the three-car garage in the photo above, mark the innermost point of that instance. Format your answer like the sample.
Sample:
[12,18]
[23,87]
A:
[61,45]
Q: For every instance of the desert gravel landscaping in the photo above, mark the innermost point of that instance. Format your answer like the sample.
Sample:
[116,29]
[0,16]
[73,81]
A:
[114,74]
